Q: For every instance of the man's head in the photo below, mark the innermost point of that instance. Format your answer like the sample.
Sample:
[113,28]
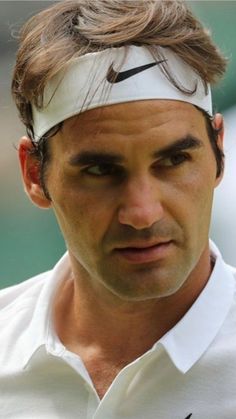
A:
[132,186]
[176,137]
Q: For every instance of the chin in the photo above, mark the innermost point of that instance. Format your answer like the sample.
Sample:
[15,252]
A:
[143,290]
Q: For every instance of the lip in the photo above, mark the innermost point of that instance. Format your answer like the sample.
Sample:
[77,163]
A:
[144,253]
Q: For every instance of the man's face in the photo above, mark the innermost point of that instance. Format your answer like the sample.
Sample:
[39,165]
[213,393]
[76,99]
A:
[132,186]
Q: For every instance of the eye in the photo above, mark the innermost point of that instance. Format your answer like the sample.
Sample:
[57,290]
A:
[174,160]
[100,170]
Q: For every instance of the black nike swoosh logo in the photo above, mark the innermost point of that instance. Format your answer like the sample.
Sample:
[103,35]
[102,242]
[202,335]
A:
[115,77]
[189,416]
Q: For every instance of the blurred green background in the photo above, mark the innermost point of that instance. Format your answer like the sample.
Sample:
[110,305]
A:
[30,241]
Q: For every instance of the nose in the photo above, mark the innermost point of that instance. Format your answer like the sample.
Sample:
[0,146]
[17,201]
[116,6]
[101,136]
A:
[141,204]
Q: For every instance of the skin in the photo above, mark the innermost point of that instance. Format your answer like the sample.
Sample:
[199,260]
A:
[136,229]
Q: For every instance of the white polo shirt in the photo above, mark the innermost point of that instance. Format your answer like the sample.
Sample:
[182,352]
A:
[189,373]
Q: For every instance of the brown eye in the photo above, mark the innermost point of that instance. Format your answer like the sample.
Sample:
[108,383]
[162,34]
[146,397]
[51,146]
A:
[177,159]
[100,170]
[174,160]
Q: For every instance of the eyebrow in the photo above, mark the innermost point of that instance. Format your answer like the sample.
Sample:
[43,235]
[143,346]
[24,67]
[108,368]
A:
[187,143]
[97,157]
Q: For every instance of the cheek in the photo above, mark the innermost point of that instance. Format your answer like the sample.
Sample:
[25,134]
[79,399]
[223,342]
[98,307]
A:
[82,215]
[191,198]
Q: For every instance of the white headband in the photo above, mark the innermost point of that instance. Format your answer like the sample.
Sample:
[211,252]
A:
[85,84]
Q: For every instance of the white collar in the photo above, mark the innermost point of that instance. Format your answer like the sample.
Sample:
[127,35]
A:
[185,342]
[38,333]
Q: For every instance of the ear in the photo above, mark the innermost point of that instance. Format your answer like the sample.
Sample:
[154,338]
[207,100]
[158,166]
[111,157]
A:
[218,124]
[30,169]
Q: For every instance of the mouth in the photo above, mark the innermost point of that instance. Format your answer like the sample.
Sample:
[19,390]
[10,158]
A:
[144,253]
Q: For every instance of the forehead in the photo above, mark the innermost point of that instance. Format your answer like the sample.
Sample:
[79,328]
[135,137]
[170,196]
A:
[164,119]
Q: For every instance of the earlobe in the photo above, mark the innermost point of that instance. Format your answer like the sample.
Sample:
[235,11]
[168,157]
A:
[30,170]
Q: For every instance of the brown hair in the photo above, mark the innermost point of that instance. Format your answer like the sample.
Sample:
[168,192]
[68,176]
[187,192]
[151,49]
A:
[69,29]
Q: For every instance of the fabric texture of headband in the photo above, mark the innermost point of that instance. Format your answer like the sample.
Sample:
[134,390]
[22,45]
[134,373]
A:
[117,75]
